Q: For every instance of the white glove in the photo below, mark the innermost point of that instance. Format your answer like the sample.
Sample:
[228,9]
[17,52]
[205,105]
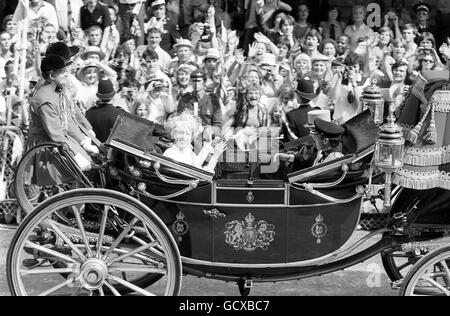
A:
[87,145]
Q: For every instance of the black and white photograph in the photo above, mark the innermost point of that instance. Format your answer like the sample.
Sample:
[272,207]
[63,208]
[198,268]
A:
[225,152]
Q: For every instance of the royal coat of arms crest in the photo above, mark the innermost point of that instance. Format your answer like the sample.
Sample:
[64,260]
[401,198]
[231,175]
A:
[248,235]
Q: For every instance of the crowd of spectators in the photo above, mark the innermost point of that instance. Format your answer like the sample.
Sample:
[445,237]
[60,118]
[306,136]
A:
[234,64]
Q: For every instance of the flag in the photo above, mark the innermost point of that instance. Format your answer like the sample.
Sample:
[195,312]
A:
[21,10]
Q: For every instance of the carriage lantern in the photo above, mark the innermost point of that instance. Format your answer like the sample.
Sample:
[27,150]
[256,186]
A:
[389,151]
[372,99]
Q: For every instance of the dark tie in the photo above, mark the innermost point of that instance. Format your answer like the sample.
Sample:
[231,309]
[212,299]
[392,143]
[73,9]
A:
[332,31]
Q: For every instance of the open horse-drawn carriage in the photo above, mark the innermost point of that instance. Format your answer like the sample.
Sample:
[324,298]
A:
[141,220]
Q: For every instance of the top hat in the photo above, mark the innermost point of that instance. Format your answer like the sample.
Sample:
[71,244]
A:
[305,88]
[52,62]
[183,43]
[328,129]
[317,114]
[93,50]
[105,90]
[62,50]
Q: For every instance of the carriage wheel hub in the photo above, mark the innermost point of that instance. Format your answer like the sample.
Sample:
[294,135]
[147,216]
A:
[93,274]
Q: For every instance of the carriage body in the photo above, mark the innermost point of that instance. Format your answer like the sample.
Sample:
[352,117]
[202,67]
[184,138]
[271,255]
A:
[228,229]
[241,227]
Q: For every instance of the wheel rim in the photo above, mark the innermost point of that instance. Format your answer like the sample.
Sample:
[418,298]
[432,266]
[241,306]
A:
[50,258]
[432,277]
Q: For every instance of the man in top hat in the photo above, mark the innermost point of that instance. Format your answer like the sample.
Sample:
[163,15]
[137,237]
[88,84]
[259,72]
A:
[103,116]
[160,20]
[205,106]
[298,118]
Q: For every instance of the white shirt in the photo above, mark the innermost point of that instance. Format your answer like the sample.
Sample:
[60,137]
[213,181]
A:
[186,156]
[164,58]
[46,11]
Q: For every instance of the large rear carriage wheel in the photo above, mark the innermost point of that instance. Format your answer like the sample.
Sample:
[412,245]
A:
[430,276]
[114,244]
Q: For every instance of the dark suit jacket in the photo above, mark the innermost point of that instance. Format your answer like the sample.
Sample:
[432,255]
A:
[297,119]
[102,119]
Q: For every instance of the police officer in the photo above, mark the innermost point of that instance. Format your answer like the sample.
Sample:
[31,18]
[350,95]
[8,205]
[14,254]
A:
[328,139]
[204,105]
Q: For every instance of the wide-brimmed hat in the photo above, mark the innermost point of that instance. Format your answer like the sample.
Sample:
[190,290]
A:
[268,59]
[62,50]
[183,43]
[86,65]
[93,50]
[305,88]
[318,114]
[52,62]
[106,90]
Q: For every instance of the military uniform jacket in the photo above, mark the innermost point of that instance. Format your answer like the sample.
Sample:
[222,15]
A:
[49,121]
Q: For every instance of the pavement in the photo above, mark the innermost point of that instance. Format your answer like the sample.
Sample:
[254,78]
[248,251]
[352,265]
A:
[365,279]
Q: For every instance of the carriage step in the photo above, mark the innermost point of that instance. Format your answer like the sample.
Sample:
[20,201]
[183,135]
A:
[30,263]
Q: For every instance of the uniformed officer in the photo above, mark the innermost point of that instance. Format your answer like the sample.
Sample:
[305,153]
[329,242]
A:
[328,140]
[204,105]
[51,121]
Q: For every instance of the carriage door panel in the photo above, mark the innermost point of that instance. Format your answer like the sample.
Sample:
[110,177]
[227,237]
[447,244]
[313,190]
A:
[248,235]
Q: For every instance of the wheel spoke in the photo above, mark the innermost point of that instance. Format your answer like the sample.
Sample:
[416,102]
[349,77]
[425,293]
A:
[66,239]
[120,238]
[102,231]
[128,267]
[83,232]
[112,288]
[436,284]
[47,271]
[58,287]
[446,270]
[130,286]
[100,291]
[133,252]
[403,266]
[50,252]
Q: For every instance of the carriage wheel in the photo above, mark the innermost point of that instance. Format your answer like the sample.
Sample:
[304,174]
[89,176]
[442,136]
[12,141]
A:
[430,275]
[29,194]
[397,263]
[114,245]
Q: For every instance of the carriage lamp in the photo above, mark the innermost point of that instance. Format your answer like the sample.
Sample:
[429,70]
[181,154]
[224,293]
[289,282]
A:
[389,151]
[372,99]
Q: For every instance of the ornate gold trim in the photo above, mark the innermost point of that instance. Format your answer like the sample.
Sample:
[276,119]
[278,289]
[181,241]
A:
[425,157]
